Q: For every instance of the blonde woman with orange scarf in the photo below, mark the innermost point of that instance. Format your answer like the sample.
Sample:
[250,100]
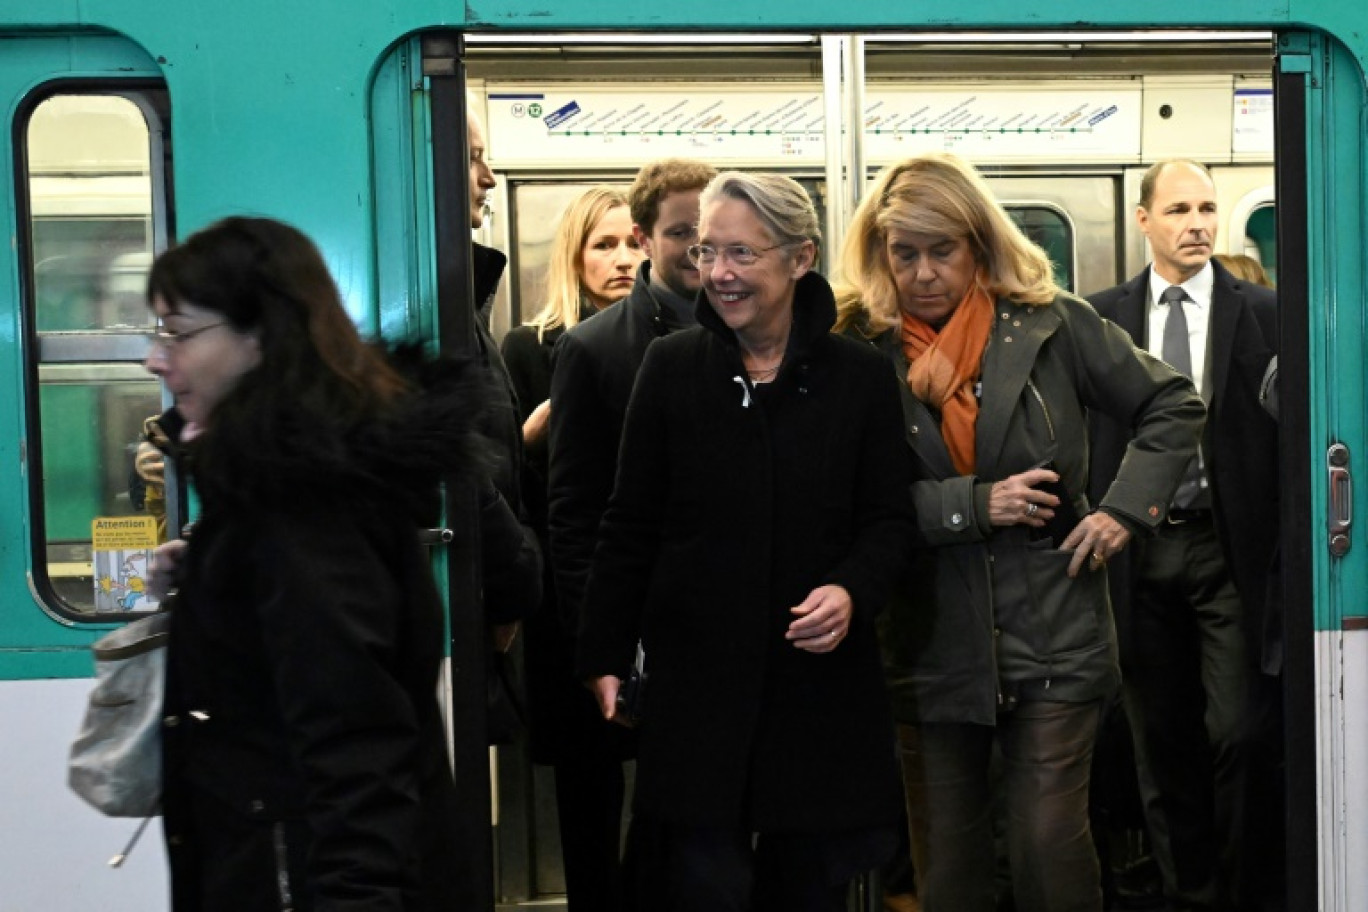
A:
[1001,634]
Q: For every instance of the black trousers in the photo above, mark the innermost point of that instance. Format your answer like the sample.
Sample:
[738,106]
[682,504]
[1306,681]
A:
[1186,686]
[723,869]
[589,796]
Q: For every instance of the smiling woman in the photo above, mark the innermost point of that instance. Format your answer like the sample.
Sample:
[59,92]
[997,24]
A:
[759,520]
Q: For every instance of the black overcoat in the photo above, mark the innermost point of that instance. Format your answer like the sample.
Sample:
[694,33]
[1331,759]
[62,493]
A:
[731,506]
[563,717]
[1240,442]
[305,761]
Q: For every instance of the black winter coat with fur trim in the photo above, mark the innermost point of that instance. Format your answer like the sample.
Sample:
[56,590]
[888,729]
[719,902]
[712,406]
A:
[305,761]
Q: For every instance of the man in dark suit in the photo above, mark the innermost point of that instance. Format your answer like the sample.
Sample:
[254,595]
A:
[596,364]
[1199,634]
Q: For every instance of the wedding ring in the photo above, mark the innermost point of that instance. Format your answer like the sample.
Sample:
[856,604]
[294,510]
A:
[1098,558]
[1031,509]
[833,633]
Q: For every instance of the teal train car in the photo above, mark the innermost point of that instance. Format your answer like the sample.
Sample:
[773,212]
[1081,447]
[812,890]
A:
[130,123]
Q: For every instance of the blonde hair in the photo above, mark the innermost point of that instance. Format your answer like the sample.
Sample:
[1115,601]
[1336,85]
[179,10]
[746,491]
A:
[1244,267]
[938,194]
[564,290]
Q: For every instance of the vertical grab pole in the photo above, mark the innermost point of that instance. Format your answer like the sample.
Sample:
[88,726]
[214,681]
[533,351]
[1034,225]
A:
[835,51]
[444,71]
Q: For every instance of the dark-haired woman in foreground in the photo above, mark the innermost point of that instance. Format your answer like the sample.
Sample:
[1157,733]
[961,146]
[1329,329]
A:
[305,762]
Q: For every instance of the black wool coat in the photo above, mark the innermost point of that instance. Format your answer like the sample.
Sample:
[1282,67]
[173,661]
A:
[563,717]
[305,761]
[595,365]
[731,505]
[1240,443]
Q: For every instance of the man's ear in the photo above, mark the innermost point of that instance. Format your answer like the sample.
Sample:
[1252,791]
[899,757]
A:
[643,240]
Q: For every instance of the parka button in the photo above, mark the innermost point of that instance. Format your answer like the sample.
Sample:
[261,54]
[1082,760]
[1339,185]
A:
[256,806]
[1006,338]
[997,631]
[803,390]
[171,721]
[956,518]
[915,429]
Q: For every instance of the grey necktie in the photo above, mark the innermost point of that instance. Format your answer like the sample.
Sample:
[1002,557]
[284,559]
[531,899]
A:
[1177,351]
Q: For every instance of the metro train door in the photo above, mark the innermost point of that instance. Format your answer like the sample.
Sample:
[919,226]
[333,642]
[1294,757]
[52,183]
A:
[1322,278]
[88,204]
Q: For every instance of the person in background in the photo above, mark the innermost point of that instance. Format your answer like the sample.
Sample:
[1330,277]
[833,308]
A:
[1245,268]
[594,259]
[511,559]
[760,517]
[1201,634]
[1001,634]
[595,365]
[304,759]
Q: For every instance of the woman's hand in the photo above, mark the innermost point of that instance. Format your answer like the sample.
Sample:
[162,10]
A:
[1096,538]
[823,619]
[150,464]
[534,428]
[605,690]
[166,561]
[1015,500]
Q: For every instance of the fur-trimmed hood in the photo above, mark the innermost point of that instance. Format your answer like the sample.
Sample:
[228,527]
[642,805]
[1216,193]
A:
[395,459]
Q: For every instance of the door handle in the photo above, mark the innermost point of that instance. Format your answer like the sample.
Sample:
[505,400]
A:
[1340,512]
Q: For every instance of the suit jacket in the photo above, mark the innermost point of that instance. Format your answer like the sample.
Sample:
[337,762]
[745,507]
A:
[596,364]
[1240,444]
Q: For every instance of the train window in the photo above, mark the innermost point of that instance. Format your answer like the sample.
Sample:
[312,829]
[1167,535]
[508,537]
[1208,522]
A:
[94,213]
[1261,239]
[1049,229]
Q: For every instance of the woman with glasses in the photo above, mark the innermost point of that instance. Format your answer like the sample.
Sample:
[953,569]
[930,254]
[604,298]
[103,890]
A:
[304,756]
[760,517]
[1001,634]
[594,260]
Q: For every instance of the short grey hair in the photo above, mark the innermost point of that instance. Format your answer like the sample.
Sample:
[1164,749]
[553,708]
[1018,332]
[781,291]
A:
[781,203]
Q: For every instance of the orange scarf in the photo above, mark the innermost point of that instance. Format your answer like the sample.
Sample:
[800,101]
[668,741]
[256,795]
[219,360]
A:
[943,368]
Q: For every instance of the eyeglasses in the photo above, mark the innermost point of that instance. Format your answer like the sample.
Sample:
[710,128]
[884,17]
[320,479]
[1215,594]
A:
[169,338]
[739,254]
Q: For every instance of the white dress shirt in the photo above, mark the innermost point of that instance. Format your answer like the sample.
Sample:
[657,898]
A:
[1197,309]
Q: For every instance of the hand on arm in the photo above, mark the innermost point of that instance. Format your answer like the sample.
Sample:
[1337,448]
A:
[535,428]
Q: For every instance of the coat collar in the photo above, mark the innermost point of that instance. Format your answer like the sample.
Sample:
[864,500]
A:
[1014,343]
[1018,333]
[814,313]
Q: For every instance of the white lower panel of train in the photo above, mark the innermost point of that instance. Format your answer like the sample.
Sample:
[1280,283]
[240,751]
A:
[54,848]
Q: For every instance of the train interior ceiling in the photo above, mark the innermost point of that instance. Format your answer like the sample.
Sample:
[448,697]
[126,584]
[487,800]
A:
[1063,125]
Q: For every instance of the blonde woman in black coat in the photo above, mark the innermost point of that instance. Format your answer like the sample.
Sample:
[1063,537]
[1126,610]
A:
[760,518]
[594,259]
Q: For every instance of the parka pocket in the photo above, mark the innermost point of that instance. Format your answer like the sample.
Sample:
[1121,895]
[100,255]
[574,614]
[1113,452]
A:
[1066,611]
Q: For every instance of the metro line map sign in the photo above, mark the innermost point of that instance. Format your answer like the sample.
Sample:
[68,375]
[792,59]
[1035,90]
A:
[784,124]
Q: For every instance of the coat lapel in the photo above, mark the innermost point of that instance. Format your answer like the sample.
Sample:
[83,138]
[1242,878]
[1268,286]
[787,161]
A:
[1018,332]
[922,430]
[1131,309]
[1226,305]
